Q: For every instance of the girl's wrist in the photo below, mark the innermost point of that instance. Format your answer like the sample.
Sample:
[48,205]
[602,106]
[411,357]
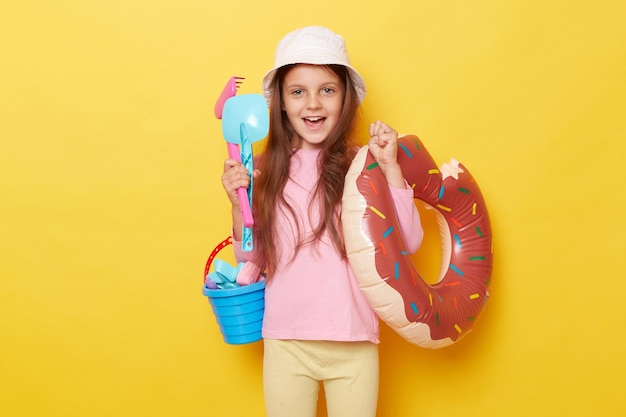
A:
[393,174]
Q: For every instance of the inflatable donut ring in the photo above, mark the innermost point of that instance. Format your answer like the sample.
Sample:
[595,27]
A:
[430,316]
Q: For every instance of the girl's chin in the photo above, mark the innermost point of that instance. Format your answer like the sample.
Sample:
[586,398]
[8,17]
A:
[312,143]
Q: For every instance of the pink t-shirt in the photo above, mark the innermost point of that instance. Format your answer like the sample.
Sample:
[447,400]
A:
[316,296]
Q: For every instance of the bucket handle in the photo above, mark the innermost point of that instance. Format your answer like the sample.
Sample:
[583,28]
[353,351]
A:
[216,250]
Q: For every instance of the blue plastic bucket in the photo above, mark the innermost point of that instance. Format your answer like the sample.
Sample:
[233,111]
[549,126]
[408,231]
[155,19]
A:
[239,312]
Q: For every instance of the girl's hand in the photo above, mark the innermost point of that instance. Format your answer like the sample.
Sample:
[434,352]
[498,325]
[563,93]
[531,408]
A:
[235,176]
[383,145]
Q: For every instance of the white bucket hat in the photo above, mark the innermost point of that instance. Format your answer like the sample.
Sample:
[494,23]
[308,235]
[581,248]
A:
[312,45]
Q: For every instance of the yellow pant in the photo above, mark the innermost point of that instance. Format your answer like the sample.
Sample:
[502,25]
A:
[293,370]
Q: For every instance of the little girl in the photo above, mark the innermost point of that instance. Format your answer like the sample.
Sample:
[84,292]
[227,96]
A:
[318,327]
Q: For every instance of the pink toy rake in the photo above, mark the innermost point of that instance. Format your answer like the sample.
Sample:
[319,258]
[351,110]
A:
[230,90]
[245,120]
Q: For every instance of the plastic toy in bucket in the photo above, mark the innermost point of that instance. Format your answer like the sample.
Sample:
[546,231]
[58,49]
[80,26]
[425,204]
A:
[239,310]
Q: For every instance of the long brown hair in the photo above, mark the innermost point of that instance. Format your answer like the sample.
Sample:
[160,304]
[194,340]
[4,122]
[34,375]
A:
[335,158]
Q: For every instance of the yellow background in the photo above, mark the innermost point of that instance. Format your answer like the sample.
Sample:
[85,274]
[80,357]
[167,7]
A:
[111,201]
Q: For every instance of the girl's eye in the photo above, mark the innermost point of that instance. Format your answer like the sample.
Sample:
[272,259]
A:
[297,92]
[327,90]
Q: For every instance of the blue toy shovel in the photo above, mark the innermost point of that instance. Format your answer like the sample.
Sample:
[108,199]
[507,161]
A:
[245,120]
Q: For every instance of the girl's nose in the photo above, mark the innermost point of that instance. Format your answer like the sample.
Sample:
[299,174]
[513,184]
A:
[313,101]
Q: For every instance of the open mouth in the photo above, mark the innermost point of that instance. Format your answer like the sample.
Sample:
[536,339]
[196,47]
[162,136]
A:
[314,122]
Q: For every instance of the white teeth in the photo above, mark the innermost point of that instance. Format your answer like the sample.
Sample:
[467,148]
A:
[313,119]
